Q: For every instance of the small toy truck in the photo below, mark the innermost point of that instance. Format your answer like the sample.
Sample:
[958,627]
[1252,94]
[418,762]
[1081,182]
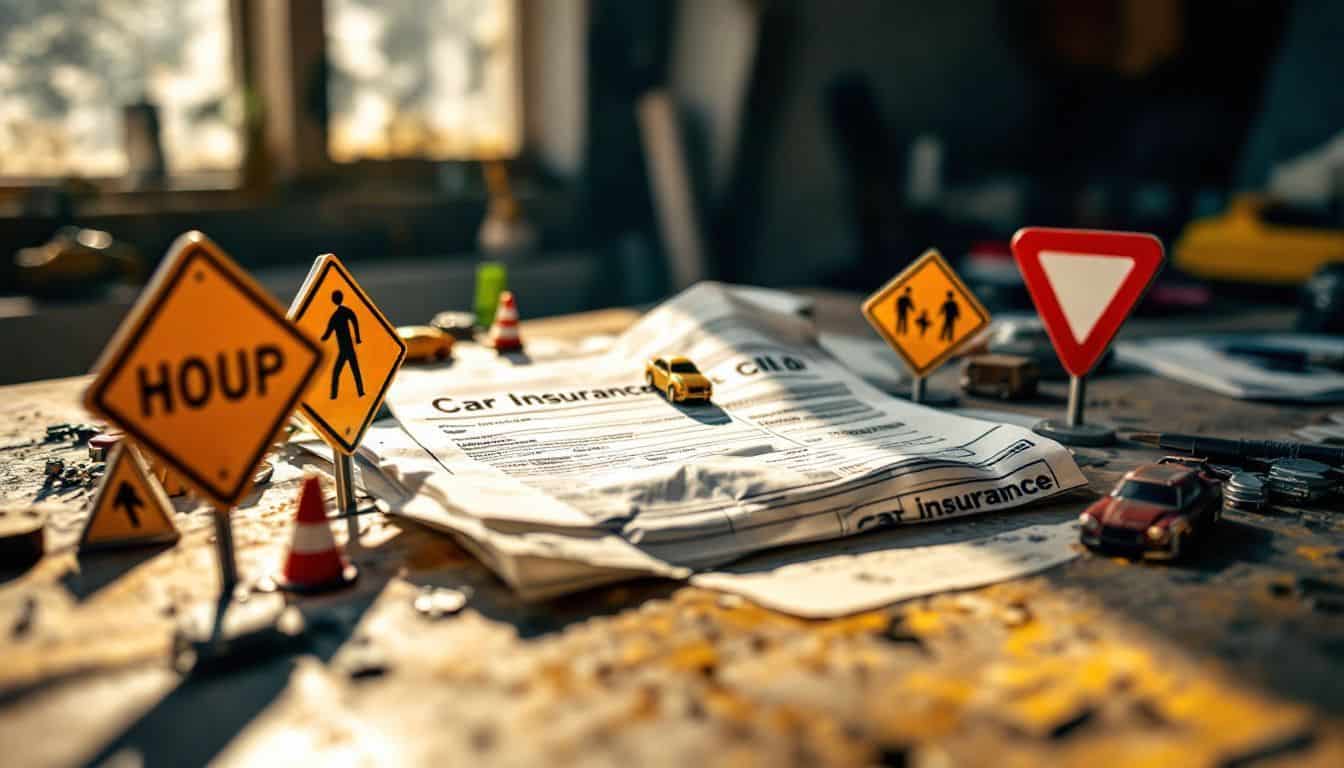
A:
[1007,377]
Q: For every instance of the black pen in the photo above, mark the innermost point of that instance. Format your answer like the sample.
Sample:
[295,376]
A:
[1232,450]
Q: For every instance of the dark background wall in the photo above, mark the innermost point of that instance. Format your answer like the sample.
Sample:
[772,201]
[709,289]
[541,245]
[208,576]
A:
[942,68]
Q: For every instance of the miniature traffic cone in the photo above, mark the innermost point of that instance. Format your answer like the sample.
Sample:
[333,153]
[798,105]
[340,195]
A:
[504,332]
[315,562]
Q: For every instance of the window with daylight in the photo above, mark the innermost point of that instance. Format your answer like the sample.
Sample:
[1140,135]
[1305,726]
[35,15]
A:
[435,79]
[85,85]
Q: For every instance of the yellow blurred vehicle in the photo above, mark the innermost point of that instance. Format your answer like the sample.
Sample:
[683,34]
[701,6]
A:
[76,261]
[678,379]
[426,343]
[1259,240]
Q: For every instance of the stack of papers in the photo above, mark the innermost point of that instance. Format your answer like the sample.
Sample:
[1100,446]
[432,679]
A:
[565,474]
[1213,363]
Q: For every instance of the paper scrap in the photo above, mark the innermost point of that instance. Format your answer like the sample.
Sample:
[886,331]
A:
[843,577]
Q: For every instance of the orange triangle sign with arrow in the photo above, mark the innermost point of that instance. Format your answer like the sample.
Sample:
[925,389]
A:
[130,509]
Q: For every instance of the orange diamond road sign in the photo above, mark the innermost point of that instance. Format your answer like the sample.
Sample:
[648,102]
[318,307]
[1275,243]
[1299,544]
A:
[362,353]
[925,313]
[205,370]
[130,509]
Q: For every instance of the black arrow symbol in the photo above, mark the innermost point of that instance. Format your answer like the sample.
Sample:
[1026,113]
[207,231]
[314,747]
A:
[130,501]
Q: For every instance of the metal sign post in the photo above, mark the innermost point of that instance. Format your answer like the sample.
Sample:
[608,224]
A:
[1077,397]
[345,495]
[228,563]
[1073,431]
[1084,284]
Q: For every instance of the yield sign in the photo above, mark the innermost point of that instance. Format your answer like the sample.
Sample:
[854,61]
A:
[1084,283]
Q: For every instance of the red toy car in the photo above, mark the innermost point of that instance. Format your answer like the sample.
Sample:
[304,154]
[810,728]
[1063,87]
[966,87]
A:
[1155,511]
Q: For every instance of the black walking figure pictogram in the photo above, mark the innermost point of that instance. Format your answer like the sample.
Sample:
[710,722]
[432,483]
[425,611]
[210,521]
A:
[904,306]
[950,312]
[923,322]
[129,501]
[342,322]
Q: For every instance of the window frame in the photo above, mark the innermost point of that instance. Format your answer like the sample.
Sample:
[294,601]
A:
[277,48]
[210,182]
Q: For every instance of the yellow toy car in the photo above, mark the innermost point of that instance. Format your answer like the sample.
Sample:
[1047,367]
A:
[679,379]
[1259,240]
[426,343]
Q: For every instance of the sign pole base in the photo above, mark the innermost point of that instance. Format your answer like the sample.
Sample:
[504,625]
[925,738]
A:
[235,630]
[1074,431]
[240,626]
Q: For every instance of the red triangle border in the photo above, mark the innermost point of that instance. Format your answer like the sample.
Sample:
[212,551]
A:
[1148,255]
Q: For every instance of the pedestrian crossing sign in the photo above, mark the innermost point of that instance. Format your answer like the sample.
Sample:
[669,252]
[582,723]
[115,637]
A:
[926,313]
[361,353]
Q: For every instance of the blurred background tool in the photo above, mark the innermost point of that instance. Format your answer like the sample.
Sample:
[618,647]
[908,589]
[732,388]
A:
[506,234]
[1241,450]
[76,262]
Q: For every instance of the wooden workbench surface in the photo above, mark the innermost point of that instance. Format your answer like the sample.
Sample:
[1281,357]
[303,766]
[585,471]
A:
[1232,658]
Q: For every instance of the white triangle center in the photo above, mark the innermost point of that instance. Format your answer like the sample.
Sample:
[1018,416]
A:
[1084,284]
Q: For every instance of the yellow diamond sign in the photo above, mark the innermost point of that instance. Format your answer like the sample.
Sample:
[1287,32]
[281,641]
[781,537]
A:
[925,313]
[205,370]
[363,352]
